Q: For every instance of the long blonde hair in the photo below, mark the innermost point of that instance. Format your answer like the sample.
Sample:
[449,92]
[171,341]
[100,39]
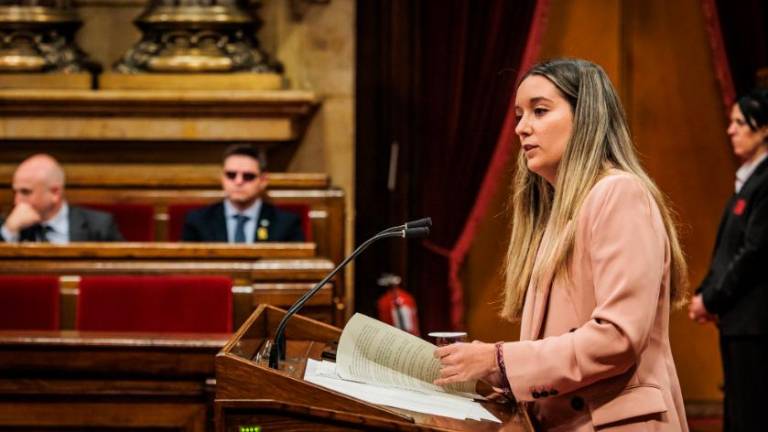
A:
[600,140]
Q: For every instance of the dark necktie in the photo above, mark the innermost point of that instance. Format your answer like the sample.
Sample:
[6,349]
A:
[42,233]
[240,228]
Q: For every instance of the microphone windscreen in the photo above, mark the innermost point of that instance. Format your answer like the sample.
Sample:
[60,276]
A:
[419,232]
[425,222]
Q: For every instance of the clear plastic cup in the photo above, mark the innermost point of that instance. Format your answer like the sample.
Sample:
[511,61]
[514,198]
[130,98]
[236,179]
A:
[447,338]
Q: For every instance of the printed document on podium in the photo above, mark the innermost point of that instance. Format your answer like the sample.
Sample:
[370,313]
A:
[384,365]
[373,352]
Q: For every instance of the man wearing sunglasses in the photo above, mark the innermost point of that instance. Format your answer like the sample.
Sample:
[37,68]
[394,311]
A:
[243,216]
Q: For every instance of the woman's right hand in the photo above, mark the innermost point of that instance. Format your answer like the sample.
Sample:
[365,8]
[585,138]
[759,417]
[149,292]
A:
[460,362]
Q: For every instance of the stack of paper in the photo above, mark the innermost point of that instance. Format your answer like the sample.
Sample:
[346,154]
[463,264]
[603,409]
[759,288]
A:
[423,401]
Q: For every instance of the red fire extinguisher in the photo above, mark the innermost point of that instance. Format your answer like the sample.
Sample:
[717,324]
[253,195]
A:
[397,306]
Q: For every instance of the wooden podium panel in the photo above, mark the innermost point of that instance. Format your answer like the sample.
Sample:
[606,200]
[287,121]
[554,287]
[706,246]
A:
[250,394]
[53,381]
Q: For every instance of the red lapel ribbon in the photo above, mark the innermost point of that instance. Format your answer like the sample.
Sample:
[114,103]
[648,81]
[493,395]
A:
[738,208]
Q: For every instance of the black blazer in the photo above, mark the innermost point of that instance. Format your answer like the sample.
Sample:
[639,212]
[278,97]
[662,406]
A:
[84,225]
[736,287]
[208,224]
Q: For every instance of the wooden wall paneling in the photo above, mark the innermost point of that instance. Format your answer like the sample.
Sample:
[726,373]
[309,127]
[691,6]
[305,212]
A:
[168,115]
[679,126]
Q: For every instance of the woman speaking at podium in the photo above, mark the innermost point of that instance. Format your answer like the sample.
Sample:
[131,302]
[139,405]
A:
[592,268]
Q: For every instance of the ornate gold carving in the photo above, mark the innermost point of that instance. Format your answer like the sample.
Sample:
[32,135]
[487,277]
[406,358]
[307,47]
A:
[182,36]
[38,36]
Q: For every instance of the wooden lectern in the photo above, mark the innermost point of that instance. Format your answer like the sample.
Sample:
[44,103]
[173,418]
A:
[250,396]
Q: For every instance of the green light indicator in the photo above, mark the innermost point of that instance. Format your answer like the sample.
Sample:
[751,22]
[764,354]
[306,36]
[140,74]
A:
[250,428]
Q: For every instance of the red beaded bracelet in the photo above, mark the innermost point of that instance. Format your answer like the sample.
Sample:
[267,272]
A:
[505,387]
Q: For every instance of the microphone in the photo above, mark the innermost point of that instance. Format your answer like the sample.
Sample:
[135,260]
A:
[419,232]
[413,229]
[418,223]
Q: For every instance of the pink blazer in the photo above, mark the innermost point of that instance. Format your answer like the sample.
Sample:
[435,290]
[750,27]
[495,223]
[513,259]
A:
[594,349]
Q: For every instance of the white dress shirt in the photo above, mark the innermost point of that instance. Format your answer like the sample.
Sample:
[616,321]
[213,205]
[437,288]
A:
[746,170]
[57,232]
[251,212]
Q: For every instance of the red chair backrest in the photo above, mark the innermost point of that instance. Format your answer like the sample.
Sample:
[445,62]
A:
[190,304]
[178,212]
[29,302]
[135,221]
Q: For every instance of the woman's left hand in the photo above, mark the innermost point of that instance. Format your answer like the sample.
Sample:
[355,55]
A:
[462,362]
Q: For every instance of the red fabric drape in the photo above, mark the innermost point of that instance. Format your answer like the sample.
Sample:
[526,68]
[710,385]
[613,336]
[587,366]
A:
[499,162]
[738,35]
[473,54]
[719,55]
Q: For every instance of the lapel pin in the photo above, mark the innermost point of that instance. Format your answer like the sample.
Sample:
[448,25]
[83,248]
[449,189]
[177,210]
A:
[262,233]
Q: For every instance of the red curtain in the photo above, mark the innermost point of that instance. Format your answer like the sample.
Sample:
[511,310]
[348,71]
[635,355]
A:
[738,36]
[719,54]
[475,54]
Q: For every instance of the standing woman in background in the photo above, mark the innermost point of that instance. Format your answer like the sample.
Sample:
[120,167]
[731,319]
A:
[736,287]
[592,268]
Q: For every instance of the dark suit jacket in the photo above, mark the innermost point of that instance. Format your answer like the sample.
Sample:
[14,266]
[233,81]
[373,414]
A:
[208,224]
[84,225]
[736,287]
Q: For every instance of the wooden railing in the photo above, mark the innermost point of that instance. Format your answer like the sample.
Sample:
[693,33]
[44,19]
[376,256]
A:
[271,273]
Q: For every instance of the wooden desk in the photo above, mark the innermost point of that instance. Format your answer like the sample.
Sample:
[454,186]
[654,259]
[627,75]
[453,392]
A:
[55,380]
[248,393]
[164,184]
[273,273]
[144,251]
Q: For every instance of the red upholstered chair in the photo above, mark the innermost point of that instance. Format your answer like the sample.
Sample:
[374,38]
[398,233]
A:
[135,221]
[29,302]
[189,304]
[178,212]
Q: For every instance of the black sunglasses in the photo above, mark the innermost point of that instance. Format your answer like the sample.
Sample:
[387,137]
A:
[247,176]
